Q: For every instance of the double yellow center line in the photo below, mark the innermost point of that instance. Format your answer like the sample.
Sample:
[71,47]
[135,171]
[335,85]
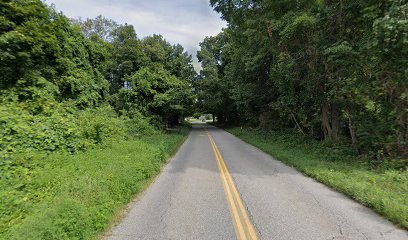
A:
[243,226]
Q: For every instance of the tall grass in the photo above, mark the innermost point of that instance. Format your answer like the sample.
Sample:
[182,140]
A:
[64,196]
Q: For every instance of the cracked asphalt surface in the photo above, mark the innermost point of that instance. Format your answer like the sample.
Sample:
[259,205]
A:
[187,200]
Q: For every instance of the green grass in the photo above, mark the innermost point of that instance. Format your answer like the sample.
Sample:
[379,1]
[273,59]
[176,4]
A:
[380,185]
[62,196]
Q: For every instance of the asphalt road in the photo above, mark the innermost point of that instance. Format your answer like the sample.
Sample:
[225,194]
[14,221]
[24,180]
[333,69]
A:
[193,198]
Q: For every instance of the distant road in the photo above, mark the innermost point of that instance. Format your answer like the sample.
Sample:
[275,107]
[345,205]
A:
[218,187]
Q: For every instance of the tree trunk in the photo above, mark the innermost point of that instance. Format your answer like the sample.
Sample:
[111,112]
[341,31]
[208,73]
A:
[327,130]
[297,124]
[352,130]
[403,128]
[335,121]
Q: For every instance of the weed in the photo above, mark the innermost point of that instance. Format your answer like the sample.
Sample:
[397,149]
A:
[64,196]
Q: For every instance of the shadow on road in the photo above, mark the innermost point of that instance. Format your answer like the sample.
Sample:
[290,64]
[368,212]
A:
[240,157]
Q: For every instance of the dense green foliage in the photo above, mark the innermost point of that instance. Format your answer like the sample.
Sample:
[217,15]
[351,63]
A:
[333,70]
[73,85]
[65,196]
[381,185]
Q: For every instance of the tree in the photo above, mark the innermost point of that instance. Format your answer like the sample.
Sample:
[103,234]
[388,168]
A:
[155,91]
[127,56]
[329,69]
[214,95]
[101,27]
[42,56]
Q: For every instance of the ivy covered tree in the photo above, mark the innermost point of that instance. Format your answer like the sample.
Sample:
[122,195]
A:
[42,57]
[57,72]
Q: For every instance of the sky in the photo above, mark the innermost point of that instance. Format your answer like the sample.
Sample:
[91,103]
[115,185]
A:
[180,21]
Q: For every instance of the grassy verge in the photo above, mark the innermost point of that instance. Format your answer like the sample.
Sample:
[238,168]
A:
[380,185]
[66,196]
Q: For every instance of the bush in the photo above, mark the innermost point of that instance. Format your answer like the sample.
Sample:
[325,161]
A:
[65,196]
[64,128]
[23,131]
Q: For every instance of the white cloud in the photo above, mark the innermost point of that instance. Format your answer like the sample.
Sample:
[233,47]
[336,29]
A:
[180,21]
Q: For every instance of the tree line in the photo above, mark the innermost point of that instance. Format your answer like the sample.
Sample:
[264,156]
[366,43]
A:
[59,76]
[332,70]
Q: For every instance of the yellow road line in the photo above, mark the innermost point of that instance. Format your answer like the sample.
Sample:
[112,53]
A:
[243,226]
[239,229]
[251,229]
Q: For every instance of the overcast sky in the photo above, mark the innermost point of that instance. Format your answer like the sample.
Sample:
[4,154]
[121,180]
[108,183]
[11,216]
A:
[180,21]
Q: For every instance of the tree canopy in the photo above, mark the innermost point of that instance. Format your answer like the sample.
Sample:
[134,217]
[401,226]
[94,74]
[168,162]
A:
[333,70]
